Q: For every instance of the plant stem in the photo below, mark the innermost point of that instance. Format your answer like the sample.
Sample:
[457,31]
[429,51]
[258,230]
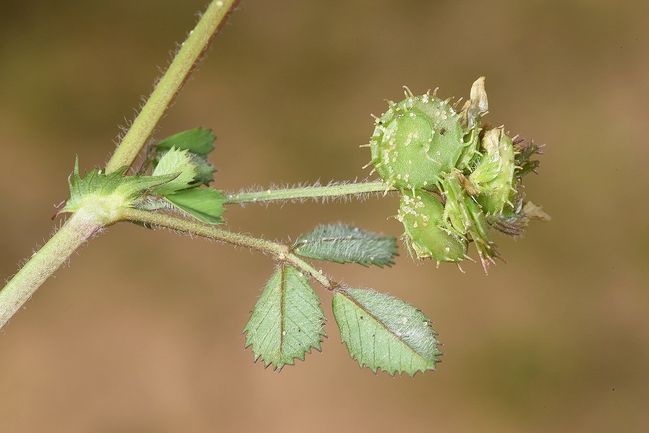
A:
[281,252]
[77,230]
[86,222]
[314,192]
[172,81]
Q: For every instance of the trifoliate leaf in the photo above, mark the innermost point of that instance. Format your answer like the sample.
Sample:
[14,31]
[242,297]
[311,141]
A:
[112,190]
[384,332]
[286,321]
[199,141]
[178,162]
[204,204]
[346,244]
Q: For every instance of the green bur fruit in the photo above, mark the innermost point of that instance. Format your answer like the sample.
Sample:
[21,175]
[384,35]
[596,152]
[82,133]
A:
[458,178]
[422,215]
[415,141]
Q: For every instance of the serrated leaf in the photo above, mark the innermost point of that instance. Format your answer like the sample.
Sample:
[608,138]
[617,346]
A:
[179,162]
[286,321]
[199,141]
[204,204]
[346,244]
[384,332]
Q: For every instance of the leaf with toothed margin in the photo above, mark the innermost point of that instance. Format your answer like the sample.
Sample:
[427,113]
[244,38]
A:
[384,332]
[346,244]
[204,204]
[179,162]
[199,141]
[287,320]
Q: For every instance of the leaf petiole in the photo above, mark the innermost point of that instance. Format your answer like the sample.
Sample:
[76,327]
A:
[279,251]
[315,192]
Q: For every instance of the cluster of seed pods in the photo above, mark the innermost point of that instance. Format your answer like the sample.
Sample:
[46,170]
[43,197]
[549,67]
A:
[457,177]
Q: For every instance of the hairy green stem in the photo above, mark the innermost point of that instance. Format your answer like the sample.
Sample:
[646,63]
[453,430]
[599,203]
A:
[314,192]
[172,81]
[86,222]
[281,252]
[77,230]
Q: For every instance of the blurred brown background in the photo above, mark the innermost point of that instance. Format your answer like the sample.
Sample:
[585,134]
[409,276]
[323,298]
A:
[143,332]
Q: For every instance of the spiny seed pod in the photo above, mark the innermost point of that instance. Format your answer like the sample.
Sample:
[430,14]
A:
[457,177]
[416,140]
[464,216]
[494,177]
[422,216]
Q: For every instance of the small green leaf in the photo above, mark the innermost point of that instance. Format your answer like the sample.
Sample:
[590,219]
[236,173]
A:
[179,162]
[344,244]
[384,332]
[204,204]
[199,141]
[196,143]
[286,321]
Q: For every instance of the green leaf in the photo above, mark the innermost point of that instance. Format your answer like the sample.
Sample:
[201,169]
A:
[199,141]
[384,332]
[196,143]
[179,162]
[286,321]
[204,204]
[344,244]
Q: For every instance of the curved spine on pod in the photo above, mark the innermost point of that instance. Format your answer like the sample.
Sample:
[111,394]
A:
[463,215]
